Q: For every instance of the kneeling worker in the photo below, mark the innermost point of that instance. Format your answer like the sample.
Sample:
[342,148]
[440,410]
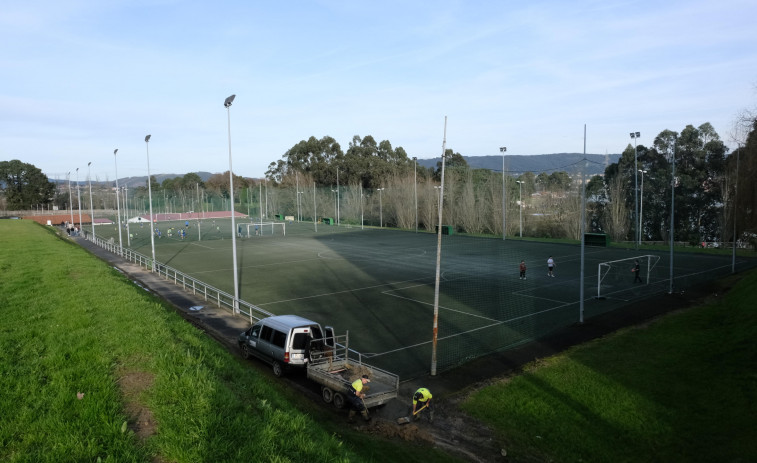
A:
[356,398]
[421,400]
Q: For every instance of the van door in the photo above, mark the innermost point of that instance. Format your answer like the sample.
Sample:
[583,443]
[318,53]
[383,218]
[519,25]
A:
[264,344]
[299,344]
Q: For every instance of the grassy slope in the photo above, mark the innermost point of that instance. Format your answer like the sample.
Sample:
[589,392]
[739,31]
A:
[684,389]
[71,324]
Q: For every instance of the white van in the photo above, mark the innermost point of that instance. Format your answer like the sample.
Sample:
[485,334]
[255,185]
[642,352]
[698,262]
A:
[285,341]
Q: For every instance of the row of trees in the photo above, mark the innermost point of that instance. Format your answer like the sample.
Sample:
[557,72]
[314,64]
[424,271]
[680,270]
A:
[379,184]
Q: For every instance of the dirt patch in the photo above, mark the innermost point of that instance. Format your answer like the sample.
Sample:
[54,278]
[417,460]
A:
[141,420]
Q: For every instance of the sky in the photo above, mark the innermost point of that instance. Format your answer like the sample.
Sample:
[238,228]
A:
[82,78]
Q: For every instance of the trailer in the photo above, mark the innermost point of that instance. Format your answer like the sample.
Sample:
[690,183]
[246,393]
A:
[334,366]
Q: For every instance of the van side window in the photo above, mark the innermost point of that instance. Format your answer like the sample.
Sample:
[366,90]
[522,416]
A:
[265,335]
[254,331]
[279,339]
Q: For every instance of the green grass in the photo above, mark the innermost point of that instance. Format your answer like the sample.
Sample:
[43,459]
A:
[684,389]
[70,324]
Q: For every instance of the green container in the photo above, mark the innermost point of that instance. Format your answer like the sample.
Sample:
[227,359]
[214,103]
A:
[596,239]
[446,229]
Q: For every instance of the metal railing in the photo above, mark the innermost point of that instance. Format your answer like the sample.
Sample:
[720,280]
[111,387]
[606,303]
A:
[190,284]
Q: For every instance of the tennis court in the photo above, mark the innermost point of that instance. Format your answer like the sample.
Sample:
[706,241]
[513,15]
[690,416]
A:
[379,284]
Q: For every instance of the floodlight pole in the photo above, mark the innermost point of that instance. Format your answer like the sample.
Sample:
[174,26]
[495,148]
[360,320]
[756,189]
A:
[227,104]
[118,206]
[91,206]
[315,211]
[70,198]
[334,191]
[381,208]
[502,150]
[149,198]
[126,215]
[415,188]
[78,196]
[361,207]
[435,331]
[582,229]
[735,196]
[672,211]
[337,197]
[520,201]
[297,193]
[635,136]
[641,203]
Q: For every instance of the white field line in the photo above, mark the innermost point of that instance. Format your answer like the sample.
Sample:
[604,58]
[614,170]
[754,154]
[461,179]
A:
[340,292]
[475,329]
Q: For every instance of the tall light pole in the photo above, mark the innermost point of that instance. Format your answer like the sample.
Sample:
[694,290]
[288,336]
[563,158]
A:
[337,197]
[437,279]
[149,199]
[227,105]
[315,211]
[70,198]
[91,207]
[78,196]
[672,210]
[415,187]
[126,215]
[335,206]
[635,136]
[503,150]
[118,206]
[520,201]
[641,202]
[381,207]
[361,207]
[297,193]
[735,197]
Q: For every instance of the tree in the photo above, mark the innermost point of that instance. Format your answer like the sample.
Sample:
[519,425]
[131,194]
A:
[24,185]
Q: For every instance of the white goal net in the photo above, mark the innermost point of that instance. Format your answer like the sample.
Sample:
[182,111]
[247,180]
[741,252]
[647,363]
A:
[622,273]
[266,228]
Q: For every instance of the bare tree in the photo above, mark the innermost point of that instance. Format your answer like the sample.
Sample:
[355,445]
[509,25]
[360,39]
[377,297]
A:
[617,216]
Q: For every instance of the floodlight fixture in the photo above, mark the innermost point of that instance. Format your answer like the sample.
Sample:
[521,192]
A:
[228,101]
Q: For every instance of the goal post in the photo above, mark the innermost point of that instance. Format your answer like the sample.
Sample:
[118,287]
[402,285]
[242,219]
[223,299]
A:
[616,272]
[266,228]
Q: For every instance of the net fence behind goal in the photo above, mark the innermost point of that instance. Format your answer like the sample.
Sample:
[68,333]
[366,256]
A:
[266,228]
[618,275]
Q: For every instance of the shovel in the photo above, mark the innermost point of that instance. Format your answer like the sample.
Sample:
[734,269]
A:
[406,419]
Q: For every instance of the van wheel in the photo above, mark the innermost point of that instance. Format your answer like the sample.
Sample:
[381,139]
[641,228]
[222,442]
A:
[327,394]
[338,400]
[246,351]
[277,370]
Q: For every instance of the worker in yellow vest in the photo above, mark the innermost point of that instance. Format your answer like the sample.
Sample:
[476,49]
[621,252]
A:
[356,396]
[422,401]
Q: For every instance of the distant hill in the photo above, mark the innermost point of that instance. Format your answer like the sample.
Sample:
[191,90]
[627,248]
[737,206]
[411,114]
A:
[516,165]
[133,182]
[537,163]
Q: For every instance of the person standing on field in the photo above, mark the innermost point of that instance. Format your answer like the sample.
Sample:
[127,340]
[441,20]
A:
[550,267]
[637,272]
[522,269]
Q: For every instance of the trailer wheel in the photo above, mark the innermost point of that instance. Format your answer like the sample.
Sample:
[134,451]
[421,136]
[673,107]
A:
[338,400]
[327,394]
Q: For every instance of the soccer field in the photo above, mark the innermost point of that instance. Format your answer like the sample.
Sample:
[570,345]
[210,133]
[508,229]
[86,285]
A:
[380,284]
